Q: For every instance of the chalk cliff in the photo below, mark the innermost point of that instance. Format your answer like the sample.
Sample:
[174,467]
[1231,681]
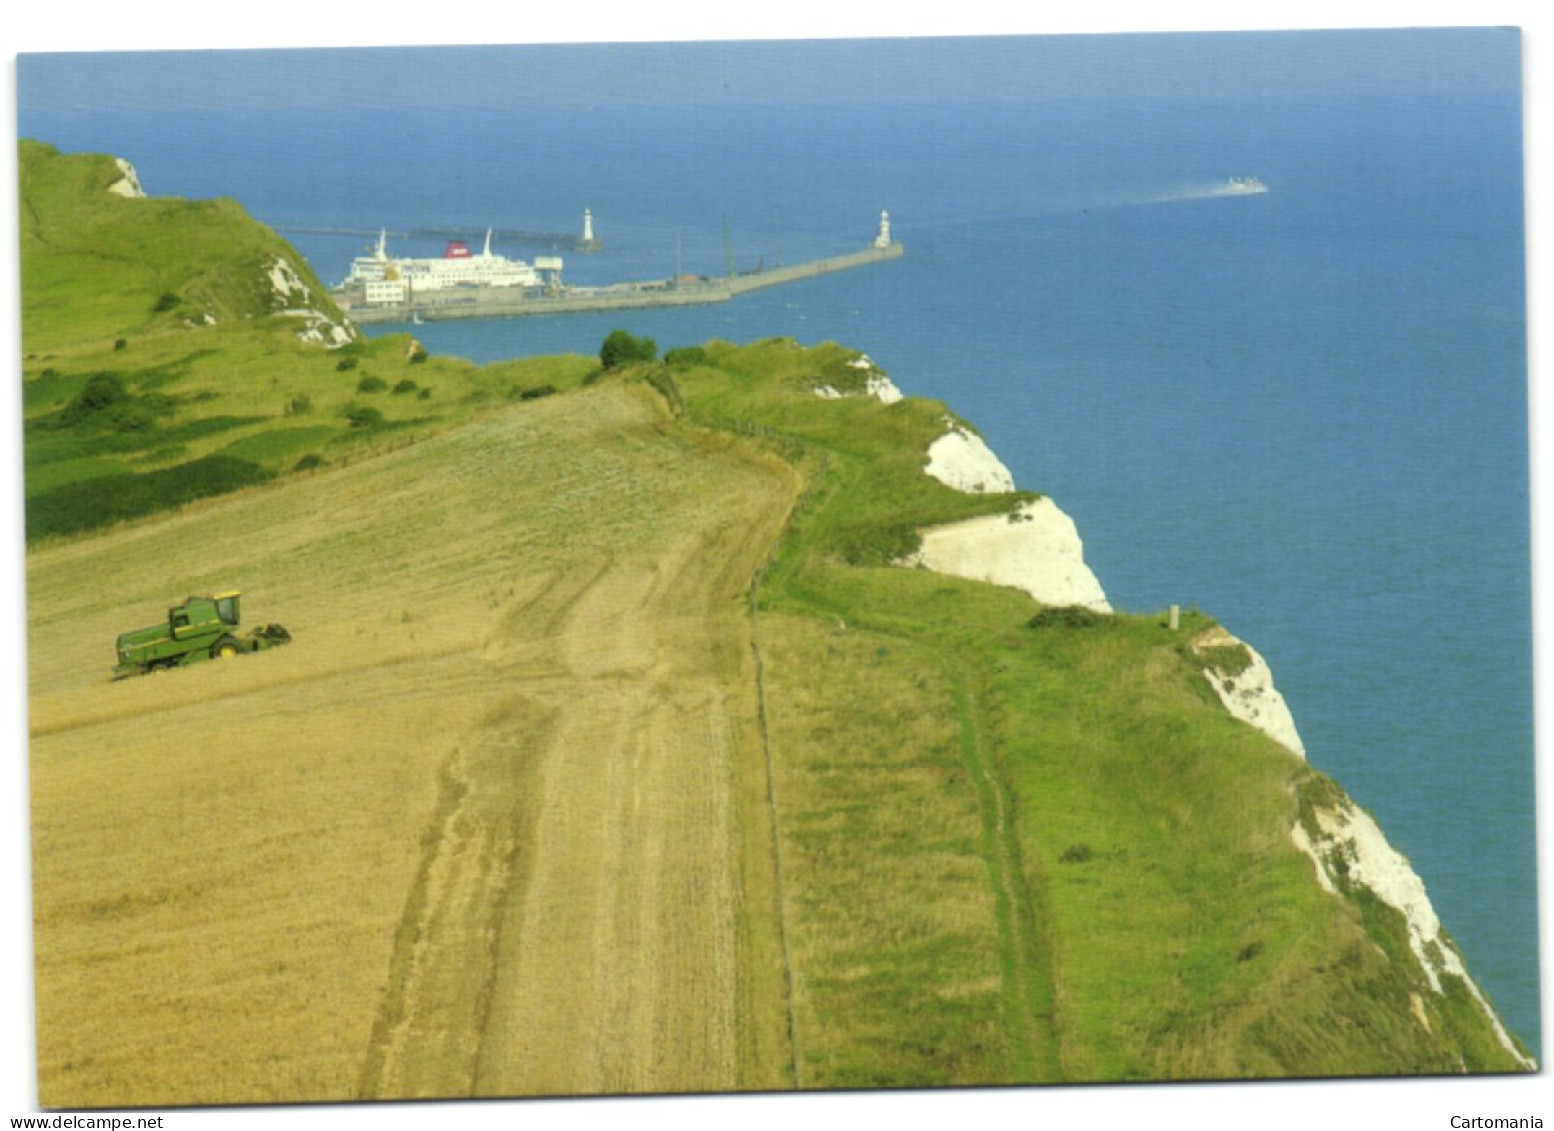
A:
[1244,683]
[1351,852]
[1037,548]
[1034,547]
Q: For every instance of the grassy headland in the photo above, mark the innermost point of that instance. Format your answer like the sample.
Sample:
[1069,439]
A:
[156,339]
[1145,914]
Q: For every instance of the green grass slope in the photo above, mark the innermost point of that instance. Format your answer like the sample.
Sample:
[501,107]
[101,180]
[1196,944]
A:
[162,362]
[1031,848]
[97,262]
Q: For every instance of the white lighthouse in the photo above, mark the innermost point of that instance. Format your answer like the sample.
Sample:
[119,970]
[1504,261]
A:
[588,225]
[883,239]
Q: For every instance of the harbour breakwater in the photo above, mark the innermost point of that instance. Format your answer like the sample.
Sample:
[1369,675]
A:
[505,302]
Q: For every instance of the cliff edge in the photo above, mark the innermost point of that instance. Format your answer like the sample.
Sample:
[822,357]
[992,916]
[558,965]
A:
[1031,546]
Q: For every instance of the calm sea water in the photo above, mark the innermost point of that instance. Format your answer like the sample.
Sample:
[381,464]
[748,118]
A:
[1304,412]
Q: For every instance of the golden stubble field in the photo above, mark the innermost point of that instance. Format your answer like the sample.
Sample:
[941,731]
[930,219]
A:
[489,825]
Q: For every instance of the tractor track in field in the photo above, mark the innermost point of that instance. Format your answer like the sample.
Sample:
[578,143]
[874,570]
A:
[114,711]
[572,925]
[426,1040]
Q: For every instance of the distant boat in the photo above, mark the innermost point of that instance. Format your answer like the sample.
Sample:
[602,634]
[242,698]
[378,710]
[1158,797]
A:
[1244,186]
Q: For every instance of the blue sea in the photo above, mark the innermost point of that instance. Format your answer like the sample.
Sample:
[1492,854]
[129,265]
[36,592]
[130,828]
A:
[1304,412]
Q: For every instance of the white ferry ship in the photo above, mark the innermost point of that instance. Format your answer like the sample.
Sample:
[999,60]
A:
[380,272]
[1241,186]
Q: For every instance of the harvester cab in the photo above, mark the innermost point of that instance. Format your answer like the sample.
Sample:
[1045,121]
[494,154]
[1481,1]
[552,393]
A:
[202,628]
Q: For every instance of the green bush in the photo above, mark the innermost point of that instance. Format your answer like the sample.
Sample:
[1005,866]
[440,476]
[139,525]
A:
[345,364]
[100,391]
[363,416]
[621,348]
[105,403]
[405,386]
[686,356]
[371,385]
[537,392]
[165,303]
[1067,616]
[299,404]
[308,462]
[1227,659]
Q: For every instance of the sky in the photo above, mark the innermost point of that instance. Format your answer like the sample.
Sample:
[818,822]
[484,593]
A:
[310,75]
[937,68]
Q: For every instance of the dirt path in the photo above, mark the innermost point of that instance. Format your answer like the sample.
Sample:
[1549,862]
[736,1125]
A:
[1027,967]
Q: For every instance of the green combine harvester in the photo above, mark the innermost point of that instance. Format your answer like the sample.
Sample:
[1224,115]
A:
[202,628]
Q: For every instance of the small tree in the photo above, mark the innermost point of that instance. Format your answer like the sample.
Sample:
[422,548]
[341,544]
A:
[621,348]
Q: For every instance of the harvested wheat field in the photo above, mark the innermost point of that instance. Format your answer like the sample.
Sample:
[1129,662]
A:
[476,831]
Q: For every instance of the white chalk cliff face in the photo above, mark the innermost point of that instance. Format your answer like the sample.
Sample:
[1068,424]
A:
[1250,695]
[1350,849]
[293,297]
[875,383]
[961,459]
[127,185]
[1034,547]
